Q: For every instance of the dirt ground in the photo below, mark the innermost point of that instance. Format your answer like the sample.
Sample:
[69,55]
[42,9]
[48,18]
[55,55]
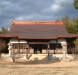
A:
[39,68]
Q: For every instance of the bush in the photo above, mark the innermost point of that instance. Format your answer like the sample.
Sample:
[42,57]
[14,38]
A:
[72,50]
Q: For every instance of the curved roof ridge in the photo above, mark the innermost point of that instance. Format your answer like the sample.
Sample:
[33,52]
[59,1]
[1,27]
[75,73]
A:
[37,23]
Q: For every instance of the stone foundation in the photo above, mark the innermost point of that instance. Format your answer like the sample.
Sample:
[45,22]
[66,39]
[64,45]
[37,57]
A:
[21,57]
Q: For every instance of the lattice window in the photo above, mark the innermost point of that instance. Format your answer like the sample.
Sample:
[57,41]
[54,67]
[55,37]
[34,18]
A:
[15,47]
[53,46]
[22,46]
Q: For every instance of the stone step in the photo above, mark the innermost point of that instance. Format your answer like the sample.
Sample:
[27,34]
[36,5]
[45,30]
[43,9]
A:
[38,57]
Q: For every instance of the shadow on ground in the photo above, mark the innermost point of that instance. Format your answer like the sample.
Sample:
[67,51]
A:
[36,62]
[46,60]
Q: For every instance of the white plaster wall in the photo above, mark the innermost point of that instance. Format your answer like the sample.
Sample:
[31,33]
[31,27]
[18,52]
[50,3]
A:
[14,40]
[59,41]
[23,41]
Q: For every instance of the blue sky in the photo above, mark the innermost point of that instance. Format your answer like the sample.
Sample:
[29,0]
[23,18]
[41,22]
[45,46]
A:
[34,10]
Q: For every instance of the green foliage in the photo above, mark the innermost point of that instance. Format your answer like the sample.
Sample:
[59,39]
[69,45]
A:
[71,25]
[57,20]
[4,30]
[76,43]
[76,4]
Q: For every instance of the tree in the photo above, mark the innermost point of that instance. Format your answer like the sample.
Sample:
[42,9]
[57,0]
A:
[4,30]
[76,4]
[71,25]
[3,46]
[65,19]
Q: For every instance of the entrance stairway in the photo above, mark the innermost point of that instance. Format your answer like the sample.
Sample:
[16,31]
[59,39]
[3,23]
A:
[38,57]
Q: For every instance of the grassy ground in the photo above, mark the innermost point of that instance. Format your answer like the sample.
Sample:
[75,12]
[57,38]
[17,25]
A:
[38,68]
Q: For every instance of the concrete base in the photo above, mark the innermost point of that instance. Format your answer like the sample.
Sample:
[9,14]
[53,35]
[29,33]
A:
[65,60]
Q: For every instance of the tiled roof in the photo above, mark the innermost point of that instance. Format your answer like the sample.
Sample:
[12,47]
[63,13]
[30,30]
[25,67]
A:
[36,30]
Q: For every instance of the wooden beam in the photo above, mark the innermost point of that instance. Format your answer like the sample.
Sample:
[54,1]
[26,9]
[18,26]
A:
[38,42]
[18,43]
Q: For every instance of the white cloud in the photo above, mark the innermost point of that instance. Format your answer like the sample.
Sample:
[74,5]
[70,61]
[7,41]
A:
[28,17]
[19,18]
[34,10]
[33,17]
[60,5]
[56,8]
[64,2]
[5,3]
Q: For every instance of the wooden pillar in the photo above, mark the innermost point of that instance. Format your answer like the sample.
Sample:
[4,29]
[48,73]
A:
[28,48]
[66,47]
[48,50]
[18,48]
[27,51]
[56,46]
